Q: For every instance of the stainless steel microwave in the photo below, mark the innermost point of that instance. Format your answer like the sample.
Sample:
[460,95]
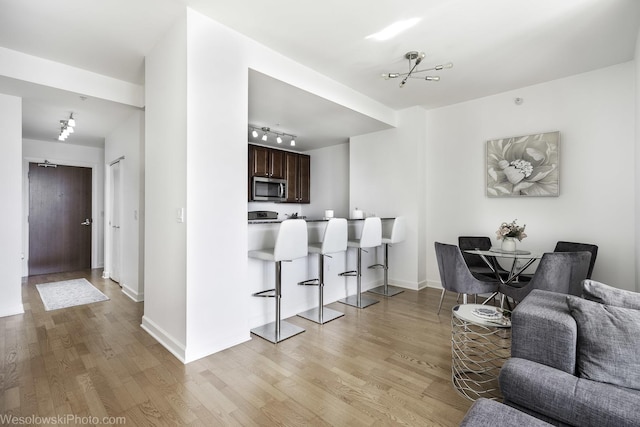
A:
[268,189]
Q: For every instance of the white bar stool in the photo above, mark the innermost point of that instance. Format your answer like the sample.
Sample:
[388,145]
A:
[398,234]
[370,237]
[334,240]
[291,243]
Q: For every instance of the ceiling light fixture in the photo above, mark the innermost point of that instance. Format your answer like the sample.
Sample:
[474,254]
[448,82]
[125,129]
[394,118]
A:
[415,58]
[266,132]
[66,128]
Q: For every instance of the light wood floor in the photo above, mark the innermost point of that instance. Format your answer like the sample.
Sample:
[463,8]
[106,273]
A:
[389,364]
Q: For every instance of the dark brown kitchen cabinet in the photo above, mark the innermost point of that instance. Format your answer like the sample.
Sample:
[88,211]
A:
[298,174]
[266,162]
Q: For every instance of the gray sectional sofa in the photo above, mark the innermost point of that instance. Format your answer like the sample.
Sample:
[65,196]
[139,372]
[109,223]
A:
[576,361]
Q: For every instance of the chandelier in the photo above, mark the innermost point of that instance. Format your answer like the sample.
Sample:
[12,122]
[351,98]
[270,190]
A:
[415,58]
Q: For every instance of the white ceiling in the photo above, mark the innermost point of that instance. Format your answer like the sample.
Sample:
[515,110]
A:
[495,45]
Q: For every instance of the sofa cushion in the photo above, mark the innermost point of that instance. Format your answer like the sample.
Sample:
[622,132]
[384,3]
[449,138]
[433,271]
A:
[489,413]
[608,344]
[605,294]
[551,394]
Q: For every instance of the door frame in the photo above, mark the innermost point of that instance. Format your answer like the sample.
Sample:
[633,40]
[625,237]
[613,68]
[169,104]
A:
[95,211]
[108,244]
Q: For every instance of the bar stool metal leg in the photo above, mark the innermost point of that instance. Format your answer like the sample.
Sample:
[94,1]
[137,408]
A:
[385,289]
[358,300]
[278,330]
[320,314]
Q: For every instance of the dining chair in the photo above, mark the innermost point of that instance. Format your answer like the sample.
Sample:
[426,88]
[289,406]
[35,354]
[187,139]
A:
[562,246]
[561,272]
[477,266]
[456,277]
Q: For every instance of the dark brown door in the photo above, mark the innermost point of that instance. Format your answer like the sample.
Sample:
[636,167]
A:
[59,219]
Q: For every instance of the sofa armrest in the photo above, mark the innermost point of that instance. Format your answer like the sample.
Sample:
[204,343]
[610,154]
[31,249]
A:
[551,394]
[544,331]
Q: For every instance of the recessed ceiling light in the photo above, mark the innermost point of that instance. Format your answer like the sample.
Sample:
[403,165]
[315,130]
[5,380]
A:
[394,29]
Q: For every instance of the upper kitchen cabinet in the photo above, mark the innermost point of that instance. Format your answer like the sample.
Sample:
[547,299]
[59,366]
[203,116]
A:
[266,162]
[298,175]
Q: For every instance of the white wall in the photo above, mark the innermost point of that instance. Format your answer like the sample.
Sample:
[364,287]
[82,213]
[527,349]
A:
[11,212]
[165,191]
[69,155]
[594,113]
[387,180]
[197,91]
[127,141]
[329,182]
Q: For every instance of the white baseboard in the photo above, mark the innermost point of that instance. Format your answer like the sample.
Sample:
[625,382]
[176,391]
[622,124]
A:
[135,296]
[393,282]
[192,356]
[167,341]
[12,311]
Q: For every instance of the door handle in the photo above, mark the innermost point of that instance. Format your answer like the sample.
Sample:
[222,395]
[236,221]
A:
[86,222]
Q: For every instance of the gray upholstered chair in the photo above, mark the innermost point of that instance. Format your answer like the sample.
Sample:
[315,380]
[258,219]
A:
[477,266]
[455,275]
[562,246]
[561,272]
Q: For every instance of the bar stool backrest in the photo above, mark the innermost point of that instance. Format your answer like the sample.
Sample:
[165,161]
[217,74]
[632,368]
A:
[335,236]
[292,241]
[371,233]
[398,231]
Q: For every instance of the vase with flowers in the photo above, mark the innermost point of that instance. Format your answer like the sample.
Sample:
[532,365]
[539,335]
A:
[508,233]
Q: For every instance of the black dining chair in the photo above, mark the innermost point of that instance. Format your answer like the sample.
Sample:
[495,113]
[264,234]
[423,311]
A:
[456,277]
[477,266]
[562,246]
[561,272]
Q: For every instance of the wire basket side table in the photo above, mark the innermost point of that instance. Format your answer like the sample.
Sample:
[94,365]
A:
[479,348]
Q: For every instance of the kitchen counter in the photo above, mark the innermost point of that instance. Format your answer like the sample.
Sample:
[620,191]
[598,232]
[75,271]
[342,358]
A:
[277,221]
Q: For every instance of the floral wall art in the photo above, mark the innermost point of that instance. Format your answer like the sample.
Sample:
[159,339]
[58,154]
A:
[523,166]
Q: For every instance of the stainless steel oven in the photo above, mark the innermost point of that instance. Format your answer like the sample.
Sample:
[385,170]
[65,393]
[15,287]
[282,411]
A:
[268,189]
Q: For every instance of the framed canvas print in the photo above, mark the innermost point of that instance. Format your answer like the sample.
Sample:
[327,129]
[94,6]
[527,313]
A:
[524,166]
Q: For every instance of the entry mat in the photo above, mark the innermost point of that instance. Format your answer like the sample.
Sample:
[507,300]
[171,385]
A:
[69,293]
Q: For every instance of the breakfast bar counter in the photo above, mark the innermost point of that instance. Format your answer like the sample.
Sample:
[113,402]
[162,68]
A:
[262,233]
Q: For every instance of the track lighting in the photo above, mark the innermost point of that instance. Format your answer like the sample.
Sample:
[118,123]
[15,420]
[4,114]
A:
[66,128]
[280,136]
[414,59]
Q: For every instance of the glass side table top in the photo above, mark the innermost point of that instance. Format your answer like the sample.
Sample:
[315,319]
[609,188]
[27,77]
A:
[484,315]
